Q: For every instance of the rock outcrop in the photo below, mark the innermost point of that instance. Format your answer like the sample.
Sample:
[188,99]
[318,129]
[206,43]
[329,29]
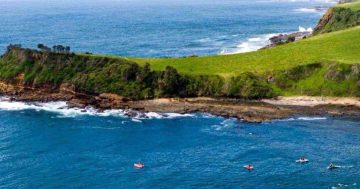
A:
[288,38]
[324,20]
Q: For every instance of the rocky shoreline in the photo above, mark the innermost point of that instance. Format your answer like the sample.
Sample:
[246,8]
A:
[254,111]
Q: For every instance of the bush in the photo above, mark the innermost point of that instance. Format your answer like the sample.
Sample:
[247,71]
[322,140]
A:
[249,86]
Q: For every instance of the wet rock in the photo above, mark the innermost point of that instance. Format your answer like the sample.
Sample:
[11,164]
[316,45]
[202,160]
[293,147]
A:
[77,103]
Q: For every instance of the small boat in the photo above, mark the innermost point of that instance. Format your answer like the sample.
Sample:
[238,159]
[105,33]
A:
[249,167]
[302,160]
[139,165]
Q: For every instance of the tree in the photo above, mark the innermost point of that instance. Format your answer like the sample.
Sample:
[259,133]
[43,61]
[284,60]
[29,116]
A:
[67,49]
[146,75]
[58,48]
[43,48]
[13,46]
[171,82]
[40,46]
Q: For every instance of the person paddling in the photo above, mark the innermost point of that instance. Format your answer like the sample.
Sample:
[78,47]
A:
[302,160]
[332,166]
[139,165]
[249,167]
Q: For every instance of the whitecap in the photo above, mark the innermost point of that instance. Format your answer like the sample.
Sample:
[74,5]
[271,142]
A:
[255,39]
[306,10]
[64,111]
[251,44]
[136,120]
[303,119]
[311,118]
[302,29]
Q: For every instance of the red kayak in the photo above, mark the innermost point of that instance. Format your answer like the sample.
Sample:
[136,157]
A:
[139,165]
[249,167]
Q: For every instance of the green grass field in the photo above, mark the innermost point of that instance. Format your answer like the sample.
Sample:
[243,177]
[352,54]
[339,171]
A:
[342,46]
[353,6]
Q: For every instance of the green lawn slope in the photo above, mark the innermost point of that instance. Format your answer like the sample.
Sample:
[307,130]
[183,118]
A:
[355,5]
[342,47]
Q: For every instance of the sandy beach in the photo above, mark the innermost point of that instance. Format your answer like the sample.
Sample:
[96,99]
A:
[311,101]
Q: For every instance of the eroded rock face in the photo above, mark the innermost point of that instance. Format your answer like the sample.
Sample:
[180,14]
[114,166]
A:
[341,73]
[324,21]
[9,89]
[109,100]
[66,88]
[13,87]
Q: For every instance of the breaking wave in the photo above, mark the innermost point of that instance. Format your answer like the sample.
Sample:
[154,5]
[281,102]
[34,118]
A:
[251,44]
[257,42]
[63,110]
[304,119]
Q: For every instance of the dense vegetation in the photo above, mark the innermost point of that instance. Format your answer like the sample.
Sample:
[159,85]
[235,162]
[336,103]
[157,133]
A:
[116,75]
[326,64]
[338,18]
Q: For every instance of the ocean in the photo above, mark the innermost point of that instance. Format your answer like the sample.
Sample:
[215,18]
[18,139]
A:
[49,145]
[154,28]
[46,145]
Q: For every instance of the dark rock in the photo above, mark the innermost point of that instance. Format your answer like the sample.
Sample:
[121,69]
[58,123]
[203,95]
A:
[287,38]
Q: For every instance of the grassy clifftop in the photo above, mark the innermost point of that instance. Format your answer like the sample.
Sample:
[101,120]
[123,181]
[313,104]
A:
[326,64]
[342,16]
[353,5]
[342,47]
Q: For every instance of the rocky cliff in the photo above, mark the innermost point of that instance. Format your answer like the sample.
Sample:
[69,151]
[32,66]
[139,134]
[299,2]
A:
[337,18]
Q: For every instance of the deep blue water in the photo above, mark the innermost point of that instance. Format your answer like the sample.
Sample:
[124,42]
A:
[60,148]
[153,28]
[46,146]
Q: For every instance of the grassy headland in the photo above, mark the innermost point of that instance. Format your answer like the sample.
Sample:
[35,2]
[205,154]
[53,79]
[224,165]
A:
[341,47]
[325,64]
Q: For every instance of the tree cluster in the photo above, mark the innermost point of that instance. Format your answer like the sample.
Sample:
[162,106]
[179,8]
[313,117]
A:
[55,48]
[13,46]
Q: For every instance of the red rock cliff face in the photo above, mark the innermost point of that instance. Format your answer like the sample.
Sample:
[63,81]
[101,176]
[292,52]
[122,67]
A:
[14,87]
[328,16]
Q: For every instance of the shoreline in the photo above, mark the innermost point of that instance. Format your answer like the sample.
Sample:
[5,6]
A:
[252,111]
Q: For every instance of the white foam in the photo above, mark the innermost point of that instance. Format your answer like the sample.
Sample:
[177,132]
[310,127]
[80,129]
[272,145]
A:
[154,115]
[64,110]
[306,10]
[251,44]
[311,118]
[226,124]
[257,42]
[304,119]
[302,29]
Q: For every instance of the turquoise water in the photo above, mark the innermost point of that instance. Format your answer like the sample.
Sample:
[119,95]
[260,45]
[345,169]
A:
[48,146]
[153,28]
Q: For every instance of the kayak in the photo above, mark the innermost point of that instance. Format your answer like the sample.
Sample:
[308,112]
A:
[139,165]
[302,161]
[333,167]
[249,167]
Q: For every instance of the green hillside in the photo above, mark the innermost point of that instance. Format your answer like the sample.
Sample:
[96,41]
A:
[340,17]
[355,5]
[342,47]
[327,64]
